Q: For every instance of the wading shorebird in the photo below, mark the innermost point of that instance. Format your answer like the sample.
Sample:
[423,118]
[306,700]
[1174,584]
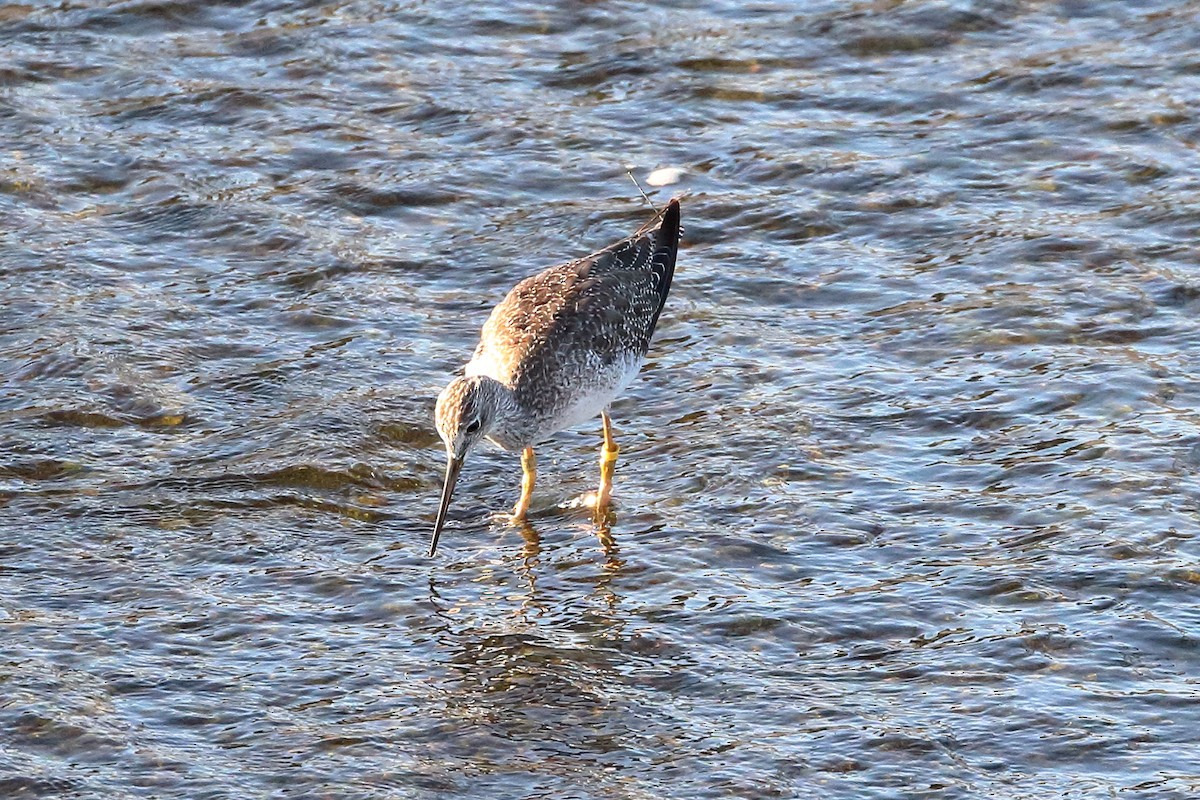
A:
[555,353]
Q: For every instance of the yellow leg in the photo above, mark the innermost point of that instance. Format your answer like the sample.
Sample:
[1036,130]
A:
[529,467]
[608,463]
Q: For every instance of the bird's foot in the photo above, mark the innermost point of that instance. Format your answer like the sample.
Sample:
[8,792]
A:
[508,519]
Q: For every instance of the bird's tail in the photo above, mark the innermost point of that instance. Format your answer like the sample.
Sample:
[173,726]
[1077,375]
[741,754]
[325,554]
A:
[666,230]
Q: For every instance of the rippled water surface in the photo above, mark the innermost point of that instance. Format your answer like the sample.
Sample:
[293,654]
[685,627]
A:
[909,488]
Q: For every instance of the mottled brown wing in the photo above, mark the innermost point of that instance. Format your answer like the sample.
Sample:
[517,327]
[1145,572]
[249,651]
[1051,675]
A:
[585,314]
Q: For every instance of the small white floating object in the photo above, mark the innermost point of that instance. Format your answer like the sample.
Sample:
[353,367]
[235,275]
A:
[665,176]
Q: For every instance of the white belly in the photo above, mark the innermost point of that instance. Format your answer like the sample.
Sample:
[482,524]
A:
[591,391]
[598,395]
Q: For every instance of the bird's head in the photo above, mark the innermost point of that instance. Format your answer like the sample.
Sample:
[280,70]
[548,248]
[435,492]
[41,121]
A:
[465,414]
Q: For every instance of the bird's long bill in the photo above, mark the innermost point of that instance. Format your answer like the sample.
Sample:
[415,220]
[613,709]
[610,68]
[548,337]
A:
[453,465]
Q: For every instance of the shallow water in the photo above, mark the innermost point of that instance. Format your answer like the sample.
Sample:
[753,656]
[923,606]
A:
[909,488]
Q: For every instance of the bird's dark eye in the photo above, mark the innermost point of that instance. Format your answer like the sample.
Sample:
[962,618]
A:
[473,426]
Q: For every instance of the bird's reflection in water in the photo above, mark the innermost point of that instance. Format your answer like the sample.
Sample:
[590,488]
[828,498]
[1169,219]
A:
[528,561]
[531,672]
[526,566]
[542,650]
[603,520]
[612,559]
[533,543]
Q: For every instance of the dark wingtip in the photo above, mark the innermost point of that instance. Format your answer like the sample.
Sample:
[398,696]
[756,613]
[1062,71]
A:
[670,223]
[667,219]
[666,247]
